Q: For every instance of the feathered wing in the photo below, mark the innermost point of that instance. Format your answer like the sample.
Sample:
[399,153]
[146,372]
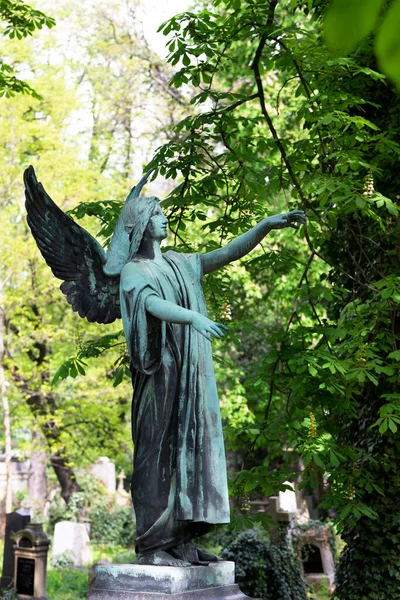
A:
[73,255]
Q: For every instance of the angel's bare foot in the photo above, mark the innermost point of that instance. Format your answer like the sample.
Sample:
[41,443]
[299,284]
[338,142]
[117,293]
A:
[162,559]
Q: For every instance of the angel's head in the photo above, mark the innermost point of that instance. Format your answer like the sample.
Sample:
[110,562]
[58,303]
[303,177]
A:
[143,217]
[139,217]
[157,226]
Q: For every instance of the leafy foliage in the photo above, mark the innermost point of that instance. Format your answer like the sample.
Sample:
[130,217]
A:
[114,526]
[19,20]
[263,570]
[79,134]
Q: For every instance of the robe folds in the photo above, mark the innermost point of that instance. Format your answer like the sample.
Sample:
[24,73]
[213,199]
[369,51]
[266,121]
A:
[179,483]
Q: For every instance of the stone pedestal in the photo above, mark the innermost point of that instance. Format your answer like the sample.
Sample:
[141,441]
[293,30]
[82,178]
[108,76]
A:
[144,582]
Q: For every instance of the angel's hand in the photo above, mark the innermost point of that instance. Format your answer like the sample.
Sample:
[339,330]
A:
[294,219]
[207,327]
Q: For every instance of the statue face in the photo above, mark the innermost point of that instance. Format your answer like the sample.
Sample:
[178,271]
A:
[157,226]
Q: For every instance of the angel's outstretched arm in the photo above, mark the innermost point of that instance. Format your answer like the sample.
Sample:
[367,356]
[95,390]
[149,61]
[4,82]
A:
[243,244]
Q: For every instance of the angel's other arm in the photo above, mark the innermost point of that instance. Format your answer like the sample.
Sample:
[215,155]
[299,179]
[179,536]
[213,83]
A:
[173,313]
[170,312]
[244,243]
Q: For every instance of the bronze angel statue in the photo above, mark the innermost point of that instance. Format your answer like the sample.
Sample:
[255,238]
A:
[179,483]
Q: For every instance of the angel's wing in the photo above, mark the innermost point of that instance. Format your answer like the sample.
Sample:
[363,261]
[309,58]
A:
[73,255]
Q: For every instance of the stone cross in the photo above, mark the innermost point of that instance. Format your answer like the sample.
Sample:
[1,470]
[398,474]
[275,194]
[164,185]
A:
[121,478]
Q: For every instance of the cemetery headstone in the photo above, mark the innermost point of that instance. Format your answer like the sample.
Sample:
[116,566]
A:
[104,469]
[15,521]
[30,566]
[19,475]
[287,499]
[72,540]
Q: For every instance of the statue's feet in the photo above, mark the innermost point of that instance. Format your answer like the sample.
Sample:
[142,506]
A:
[163,559]
[186,551]
[206,557]
[190,553]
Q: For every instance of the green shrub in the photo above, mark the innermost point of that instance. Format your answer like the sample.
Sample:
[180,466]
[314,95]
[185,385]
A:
[8,593]
[264,570]
[369,565]
[59,511]
[112,525]
[218,538]
[62,562]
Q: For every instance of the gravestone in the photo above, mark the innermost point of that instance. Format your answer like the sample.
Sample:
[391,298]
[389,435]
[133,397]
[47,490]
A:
[19,475]
[104,469]
[287,499]
[15,521]
[30,566]
[72,540]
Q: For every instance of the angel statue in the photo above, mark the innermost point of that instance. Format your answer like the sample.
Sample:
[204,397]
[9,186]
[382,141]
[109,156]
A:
[179,483]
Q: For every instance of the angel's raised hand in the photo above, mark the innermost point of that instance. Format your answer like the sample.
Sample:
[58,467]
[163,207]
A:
[294,219]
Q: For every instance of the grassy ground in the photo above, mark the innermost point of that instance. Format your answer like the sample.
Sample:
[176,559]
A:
[67,584]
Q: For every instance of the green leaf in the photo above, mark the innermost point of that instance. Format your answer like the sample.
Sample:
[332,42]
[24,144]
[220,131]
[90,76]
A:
[61,373]
[254,431]
[80,368]
[318,461]
[345,511]
[334,459]
[387,43]
[312,370]
[347,22]
[383,426]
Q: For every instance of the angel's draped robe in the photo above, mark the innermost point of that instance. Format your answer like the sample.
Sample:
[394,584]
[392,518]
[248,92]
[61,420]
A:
[179,483]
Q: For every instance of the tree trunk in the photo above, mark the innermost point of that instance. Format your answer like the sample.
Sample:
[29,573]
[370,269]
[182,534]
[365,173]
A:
[43,405]
[65,476]
[6,408]
[37,474]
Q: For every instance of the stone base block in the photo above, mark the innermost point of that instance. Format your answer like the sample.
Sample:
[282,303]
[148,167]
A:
[224,592]
[145,582]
